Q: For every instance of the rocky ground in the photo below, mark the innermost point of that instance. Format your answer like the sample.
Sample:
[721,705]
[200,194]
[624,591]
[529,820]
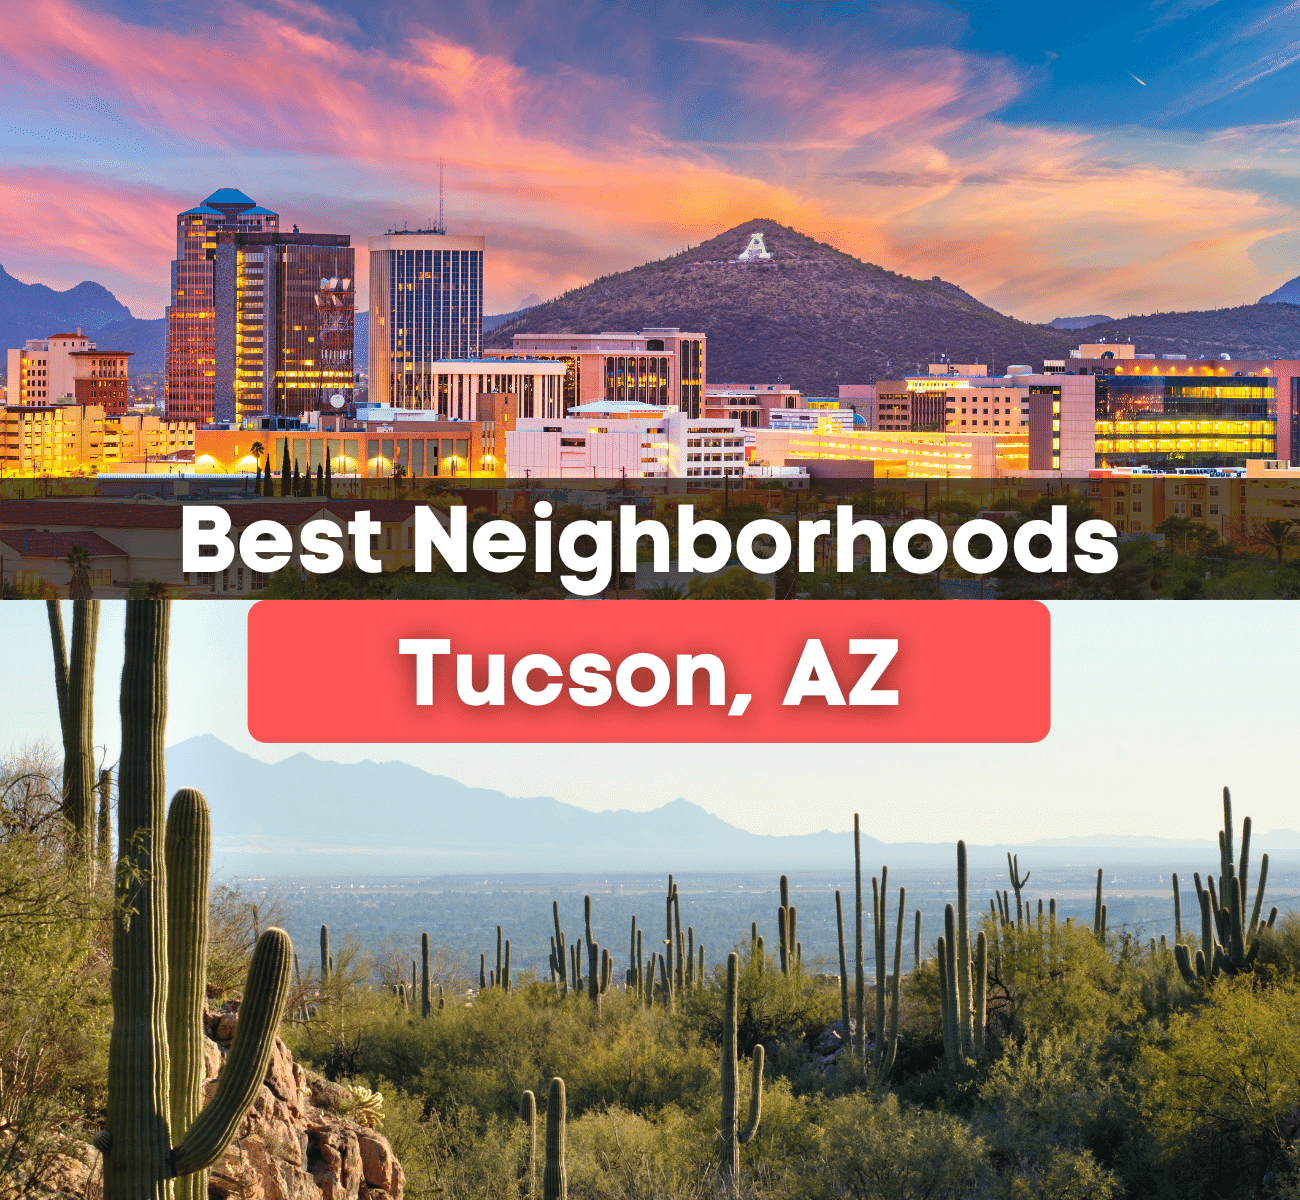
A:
[296,1143]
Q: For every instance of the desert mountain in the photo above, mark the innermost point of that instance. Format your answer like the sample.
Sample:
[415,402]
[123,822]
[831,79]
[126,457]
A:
[817,317]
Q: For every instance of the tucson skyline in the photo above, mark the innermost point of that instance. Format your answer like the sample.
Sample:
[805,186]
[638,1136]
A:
[1179,700]
[1050,161]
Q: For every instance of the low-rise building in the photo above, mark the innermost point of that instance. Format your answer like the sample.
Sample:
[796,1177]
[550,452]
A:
[752,404]
[609,440]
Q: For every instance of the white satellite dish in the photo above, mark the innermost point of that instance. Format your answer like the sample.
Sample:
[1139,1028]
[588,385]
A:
[337,400]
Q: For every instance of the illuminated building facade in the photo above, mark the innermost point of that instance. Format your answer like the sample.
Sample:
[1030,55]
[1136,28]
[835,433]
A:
[81,439]
[285,317]
[45,369]
[1204,413]
[660,365]
[895,454]
[99,377]
[191,368]
[426,307]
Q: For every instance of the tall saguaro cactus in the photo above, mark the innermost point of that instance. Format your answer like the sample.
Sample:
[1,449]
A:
[104,835]
[731,1137]
[528,1114]
[555,1184]
[425,1006]
[155,1048]
[962,996]
[1229,940]
[844,971]
[74,678]
[860,1037]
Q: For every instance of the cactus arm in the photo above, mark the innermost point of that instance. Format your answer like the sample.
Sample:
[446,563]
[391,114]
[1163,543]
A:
[265,992]
[1097,929]
[1207,928]
[187,848]
[1244,865]
[1237,945]
[1178,912]
[916,943]
[891,1051]
[1185,968]
[782,916]
[324,953]
[561,965]
[746,1135]
[1259,897]
[505,967]
[878,916]
[1227,832]
[138,1101]
[555,1184]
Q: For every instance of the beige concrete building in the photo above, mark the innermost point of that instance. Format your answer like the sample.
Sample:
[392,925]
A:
[43,370]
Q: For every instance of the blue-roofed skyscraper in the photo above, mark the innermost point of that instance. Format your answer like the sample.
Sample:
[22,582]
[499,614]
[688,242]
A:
[261,321]
[189,387]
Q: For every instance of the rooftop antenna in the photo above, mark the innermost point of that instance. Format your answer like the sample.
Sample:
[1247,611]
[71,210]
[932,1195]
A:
[441,227]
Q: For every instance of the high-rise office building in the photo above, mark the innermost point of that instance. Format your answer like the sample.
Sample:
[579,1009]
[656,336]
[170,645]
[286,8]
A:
[426,307]
[284,323]
[191,316]
[261,321]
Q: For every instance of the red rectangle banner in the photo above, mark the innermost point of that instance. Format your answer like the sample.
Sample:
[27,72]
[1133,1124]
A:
[649,671]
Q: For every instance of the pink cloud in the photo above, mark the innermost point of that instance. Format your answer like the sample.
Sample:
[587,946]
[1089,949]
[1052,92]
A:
[572,175]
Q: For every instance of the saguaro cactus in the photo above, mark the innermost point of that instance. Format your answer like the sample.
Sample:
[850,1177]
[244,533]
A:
[326,958]
[104,835]
[884,1047]
[860,1037]
[731,1137]
[561,961]
[1099,913]
[156,1021]
[528,1114]
[845,1033]
[425,1006]
[1018,882]
[555,1184]
[74,678]
[1229,942]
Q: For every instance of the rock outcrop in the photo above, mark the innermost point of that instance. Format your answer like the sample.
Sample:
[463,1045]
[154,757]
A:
[296,1142]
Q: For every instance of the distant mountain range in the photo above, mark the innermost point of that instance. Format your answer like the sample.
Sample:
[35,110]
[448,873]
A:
[809,315]
[32,310]
[814,316]
[308,816]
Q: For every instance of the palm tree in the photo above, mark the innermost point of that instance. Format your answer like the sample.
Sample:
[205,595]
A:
[1276,536]
[257,450]
[398,473]
[78,561]
[665,591]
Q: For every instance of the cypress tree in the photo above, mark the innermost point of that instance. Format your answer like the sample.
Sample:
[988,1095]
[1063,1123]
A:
[257,483]
[285,476]
[329,481]
[268,487]
[320,480]
[297,480]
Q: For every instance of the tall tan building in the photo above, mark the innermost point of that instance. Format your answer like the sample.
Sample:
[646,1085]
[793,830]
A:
[426,307]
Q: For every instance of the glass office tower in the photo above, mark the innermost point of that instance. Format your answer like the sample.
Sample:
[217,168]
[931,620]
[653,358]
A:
[426,306]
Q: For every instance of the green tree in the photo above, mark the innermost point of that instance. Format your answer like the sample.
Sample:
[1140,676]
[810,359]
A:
[286,474]
[1275,537]
[1221,1091]
[734,583]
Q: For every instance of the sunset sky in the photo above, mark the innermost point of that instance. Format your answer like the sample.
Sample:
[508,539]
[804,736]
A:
[1051,159]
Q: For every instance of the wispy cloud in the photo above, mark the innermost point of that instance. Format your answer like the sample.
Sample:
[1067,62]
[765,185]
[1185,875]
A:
[898,157]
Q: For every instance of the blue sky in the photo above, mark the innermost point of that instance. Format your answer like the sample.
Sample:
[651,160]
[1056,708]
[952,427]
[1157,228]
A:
[1155,706]
[1052,159]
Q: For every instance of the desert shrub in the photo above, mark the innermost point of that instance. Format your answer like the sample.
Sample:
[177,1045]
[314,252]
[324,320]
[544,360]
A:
[1279,947]
[1221,1091]
[878,1149]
